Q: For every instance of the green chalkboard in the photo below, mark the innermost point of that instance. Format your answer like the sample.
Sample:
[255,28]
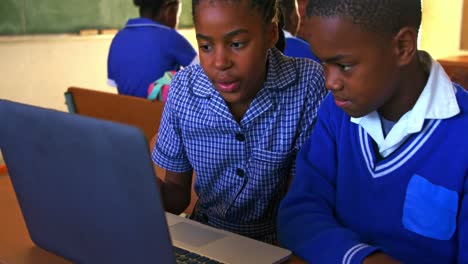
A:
[70,16]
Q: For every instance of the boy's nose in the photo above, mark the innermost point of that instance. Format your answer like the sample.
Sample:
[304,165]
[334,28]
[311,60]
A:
[332,81]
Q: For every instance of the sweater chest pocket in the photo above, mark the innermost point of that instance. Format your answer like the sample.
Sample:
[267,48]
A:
[430,210]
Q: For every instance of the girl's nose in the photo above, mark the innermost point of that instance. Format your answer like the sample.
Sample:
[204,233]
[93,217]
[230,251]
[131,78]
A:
[222,60]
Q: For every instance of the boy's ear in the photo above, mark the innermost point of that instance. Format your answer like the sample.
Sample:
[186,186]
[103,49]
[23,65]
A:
[273,32]
[406,47]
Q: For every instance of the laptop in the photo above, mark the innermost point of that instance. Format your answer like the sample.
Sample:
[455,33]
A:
[87,191]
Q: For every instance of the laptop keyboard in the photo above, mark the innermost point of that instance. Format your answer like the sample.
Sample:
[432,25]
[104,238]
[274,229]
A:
[187,257]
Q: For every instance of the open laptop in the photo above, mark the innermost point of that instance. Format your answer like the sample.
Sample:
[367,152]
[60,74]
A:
[87,191]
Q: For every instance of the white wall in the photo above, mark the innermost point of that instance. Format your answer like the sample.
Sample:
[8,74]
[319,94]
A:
[38,69]
[441,27]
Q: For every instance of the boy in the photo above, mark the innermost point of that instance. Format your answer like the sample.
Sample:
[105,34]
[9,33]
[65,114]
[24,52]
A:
[383,179]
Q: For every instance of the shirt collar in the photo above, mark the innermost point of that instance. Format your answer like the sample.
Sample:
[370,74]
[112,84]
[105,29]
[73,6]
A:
[287,34]
[436,101]
[280,74]
[143,22]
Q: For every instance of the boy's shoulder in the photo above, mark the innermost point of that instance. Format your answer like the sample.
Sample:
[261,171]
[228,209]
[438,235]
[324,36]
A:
[462,98]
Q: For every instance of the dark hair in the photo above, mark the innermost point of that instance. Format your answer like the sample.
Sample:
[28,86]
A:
[281,43]
[267,8]
[287,7]
[386,16]
[152,6]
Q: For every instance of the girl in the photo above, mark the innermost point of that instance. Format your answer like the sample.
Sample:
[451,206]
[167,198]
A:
[237,120]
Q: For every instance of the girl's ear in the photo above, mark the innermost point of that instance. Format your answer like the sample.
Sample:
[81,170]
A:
[273,34]
[406,45]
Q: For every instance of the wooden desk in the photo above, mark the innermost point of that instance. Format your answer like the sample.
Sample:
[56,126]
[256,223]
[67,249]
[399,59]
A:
[15,245]
[457,69]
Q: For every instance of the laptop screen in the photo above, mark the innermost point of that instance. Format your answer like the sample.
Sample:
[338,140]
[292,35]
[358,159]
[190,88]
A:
[86,187]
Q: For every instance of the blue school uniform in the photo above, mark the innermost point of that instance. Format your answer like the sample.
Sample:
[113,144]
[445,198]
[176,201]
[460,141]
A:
[141,52]
[356,192]
[296,47]
[242,168]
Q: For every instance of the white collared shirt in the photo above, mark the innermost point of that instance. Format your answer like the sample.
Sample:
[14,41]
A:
[287,34]
[437,101]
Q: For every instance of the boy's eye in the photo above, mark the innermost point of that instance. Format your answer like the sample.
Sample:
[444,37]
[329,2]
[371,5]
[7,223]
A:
[345,67]
[237,45]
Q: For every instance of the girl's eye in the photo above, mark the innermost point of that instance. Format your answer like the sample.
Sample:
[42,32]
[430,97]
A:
[205,47]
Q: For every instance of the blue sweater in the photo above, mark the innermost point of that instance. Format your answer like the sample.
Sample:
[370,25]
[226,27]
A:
[298,48]
[141,52]
[345,203]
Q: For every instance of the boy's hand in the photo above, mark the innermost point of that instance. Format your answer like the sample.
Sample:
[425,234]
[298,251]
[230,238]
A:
[380,258]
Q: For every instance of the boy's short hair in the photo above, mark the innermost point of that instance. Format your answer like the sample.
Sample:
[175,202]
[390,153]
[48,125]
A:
[386,16]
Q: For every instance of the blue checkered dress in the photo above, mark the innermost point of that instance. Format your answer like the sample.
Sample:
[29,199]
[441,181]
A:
[242,168]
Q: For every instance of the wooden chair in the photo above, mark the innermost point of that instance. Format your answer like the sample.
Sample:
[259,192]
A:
[139,112]
[457,69]
[3,169]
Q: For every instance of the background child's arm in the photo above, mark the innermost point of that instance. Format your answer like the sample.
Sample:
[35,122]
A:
[306,221]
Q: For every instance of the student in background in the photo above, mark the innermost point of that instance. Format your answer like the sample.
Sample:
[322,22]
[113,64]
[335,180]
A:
[237,120]
[295,47]
[384,176]
[147,47]
[301,8]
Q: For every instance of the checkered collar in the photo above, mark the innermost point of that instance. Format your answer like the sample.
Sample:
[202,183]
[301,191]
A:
[281,74]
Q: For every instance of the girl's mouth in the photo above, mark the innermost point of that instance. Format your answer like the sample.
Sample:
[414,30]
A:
[227,87]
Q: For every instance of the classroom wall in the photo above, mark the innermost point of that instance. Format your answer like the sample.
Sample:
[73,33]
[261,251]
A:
[38,69]
[442,26]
